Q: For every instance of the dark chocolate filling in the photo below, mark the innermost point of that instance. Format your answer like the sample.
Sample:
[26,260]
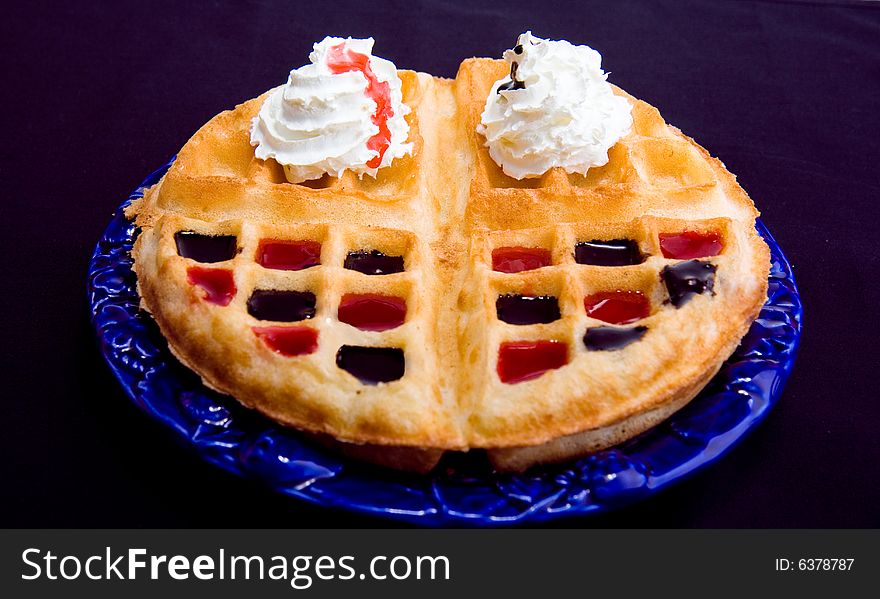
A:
[373,262]
[372,365]
[687,279]
[613,252]
[612,338]
[281,306]
[524,309]
[205,248]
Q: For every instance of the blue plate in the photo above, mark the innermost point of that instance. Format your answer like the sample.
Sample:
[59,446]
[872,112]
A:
[463,490]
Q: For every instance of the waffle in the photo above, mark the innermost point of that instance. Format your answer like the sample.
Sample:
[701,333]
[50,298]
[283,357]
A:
[444,211]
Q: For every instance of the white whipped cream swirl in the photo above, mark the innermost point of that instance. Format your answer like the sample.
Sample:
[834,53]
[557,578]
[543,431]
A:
[558,112]
[321,121]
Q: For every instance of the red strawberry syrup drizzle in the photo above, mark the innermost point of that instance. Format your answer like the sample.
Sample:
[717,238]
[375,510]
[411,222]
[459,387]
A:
[342,60]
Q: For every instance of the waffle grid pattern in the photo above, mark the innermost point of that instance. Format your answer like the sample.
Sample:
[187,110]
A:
[649,157]
[328,281]
[218,162]
[570,282]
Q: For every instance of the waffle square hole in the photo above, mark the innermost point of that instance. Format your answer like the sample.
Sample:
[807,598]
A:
[527,309]
[684,280]
[372,365]
[205,248]
[373,262]
[282,254]
[217,284]
[281,306]
[520,361]
[519,259]
[288,341]
[605,338]
[611,252]
[687,245]
[618,306]
[372,311]
[670,162]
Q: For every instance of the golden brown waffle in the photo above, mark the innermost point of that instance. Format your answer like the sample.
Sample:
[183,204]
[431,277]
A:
[444,210]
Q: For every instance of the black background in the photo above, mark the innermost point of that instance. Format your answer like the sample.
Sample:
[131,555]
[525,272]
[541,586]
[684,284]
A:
[95,96]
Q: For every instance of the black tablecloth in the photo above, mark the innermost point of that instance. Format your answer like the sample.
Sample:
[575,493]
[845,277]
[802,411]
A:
[787,94]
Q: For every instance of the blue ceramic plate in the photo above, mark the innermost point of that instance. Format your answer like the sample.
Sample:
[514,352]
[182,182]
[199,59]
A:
[464,490]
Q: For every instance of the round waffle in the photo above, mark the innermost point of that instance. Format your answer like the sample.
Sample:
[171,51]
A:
[260,285]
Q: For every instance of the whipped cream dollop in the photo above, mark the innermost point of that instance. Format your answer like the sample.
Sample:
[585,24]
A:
[555,109]
[344,111]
